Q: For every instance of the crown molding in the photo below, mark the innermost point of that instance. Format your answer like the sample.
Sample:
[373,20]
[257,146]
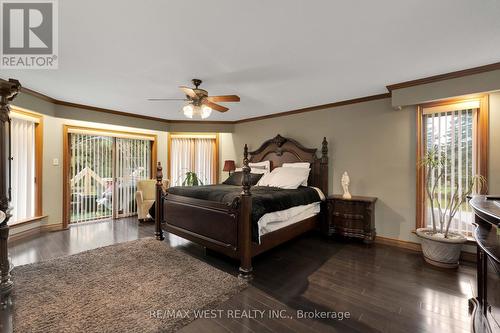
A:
[318,107]
[446,76]
[390,88]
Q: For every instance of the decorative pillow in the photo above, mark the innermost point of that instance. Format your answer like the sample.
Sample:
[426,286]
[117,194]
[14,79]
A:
[236,178]
[264,165]
[287,178]
[306,165]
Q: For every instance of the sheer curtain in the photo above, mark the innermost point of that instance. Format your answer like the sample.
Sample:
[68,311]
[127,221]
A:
[23,169]
[182,159]
[193,154]
[205,160]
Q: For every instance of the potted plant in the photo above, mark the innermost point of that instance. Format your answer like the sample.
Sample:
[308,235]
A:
[191,179]
[440,246]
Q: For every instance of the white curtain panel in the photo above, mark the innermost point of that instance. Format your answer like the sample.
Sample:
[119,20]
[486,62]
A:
[192,154]
[23,169]
[205,166]
[182,159]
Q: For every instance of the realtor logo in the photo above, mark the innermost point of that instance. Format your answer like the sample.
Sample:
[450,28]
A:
[29,34]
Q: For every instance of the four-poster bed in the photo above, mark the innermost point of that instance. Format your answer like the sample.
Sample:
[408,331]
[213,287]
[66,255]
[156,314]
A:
[226,227]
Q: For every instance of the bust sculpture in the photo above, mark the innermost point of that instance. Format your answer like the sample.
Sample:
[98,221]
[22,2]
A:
[345,185]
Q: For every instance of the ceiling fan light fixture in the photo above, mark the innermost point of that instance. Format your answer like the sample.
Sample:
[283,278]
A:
[188,111]
[206,111]
[193,111]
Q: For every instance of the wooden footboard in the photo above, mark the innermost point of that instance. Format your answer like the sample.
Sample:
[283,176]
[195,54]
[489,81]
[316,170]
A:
[225,228]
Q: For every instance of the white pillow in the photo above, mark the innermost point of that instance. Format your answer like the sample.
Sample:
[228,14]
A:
[259,166]
[287,178]
[306,165]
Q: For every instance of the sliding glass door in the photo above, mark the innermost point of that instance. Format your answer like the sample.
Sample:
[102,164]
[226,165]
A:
[103,172]
[133,163]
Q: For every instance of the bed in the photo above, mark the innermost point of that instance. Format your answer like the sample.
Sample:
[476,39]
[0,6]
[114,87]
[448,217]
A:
[234,220]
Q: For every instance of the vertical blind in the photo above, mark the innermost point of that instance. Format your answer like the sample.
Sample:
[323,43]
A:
[91,177]
[94,169]
[133,163]
[23,169]
[193,154]
[452,133]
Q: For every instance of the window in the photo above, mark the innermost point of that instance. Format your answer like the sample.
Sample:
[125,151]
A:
[26,150]
[193,153]
[459,130]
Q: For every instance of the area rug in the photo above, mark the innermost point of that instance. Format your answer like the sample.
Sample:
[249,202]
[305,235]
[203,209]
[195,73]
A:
[138,286]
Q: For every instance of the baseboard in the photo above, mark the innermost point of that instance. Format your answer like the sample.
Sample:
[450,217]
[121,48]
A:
[52,227]
[35,231]
[413,246]
[24,234]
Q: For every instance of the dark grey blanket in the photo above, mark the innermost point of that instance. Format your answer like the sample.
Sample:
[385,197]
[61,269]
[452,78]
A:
[264,199]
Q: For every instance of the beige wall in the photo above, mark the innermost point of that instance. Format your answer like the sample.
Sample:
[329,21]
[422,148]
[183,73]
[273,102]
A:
[371,141]
[376,145]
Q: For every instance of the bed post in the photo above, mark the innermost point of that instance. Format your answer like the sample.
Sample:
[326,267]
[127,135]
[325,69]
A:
[324,167]
[158,202]
[245,223]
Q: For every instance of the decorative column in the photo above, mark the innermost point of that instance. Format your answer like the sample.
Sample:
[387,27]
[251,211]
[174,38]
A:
[8,91]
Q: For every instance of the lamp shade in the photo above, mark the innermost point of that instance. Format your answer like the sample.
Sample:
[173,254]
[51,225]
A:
[229,165]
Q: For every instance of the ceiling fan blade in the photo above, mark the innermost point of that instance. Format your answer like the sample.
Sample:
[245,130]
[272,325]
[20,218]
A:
[214,106]
[167,99]
[188,91]
[224,98]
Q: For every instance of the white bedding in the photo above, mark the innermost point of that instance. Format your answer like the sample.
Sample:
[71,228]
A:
[276,220]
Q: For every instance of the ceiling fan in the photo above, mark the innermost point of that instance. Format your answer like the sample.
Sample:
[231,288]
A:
[200,105]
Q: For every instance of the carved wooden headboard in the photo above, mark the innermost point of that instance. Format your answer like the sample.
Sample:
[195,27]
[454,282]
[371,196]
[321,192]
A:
[281,150]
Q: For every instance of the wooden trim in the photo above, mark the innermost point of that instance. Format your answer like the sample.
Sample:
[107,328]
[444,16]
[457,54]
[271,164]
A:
[67,158]
[27,221]
[24,234]
[66,186]
[169,157]
[318,107]
[171,135]
[409,245]
[216,157]
[151,136]
[413,246]
[482,140]
[447,76]
[35,231]
[52,227]
[420,204]
[39,168]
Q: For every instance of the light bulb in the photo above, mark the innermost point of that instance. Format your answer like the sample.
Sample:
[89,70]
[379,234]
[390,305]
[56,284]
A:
[206,111]
[188,111]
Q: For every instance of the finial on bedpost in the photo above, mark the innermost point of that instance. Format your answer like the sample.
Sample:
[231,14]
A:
[324,151]
[158,202]
[159,174]
[246,172]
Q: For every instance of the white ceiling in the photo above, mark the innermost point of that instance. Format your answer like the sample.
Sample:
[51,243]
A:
[276,55]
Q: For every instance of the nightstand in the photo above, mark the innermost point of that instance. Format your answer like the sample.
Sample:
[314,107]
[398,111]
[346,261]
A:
[353,217]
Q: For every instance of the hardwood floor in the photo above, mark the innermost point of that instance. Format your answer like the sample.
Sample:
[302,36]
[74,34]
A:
[384,289]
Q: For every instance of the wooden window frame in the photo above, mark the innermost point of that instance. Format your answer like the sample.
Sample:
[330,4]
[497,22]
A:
[193,135]
[38,163]
[481,122]
[67,159]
